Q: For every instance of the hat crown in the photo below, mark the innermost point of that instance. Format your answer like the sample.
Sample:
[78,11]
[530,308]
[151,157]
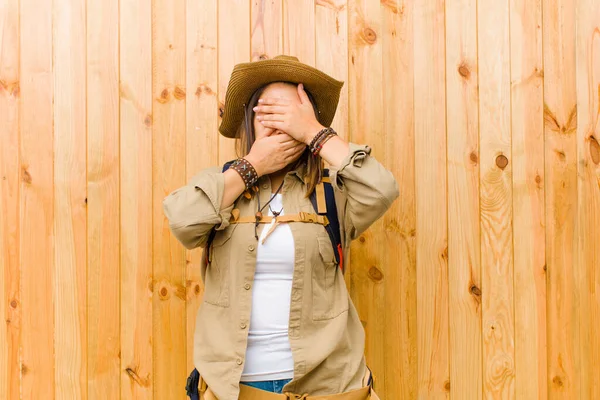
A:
[286,58]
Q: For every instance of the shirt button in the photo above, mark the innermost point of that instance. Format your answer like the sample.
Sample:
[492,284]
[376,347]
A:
[239,361]
[251,248]
[243,325]
[247,286]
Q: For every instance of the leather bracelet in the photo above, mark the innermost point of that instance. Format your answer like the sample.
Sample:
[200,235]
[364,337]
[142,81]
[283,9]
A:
[317,142]
[320,145]
[246,171]
[318,137]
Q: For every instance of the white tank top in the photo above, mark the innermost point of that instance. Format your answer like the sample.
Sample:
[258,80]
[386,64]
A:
[268,355]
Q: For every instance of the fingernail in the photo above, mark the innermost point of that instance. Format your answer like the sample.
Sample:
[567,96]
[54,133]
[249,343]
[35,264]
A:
[255,108]
[260,100]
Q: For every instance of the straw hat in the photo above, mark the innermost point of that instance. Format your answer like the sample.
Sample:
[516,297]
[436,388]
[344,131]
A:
[246,78]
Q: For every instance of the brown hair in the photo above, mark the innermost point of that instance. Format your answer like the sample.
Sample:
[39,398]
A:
[245,139]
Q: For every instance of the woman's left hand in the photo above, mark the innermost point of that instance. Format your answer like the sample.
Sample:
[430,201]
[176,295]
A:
[297,120]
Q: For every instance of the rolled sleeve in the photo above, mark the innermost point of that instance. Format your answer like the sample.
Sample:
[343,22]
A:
[369,189]
[195,209]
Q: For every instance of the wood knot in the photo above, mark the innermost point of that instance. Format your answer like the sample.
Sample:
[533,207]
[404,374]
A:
[375,274]
[444,254]
[13,303]
[473,157]
[475,291]
[179,93]
[163,293]
[594,150]
[26,177]
[362,239]
[557,381]
[148,120]
[545,268]
[164,96]
[447,386]
[538,179]
[501,161]
[464,71]
[24,369]
[197,289]
[369,35]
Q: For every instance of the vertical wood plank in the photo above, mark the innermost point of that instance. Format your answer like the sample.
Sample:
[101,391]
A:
[527,99]
[496,200]
[10,293]
[103,198]
[169,314]
[588,173]
[135,162]
[299,29]
[36,200]
[400,307]
[368,266]
[331,27]
[202,129]
[560,126]
[431,199]
[70,202]
[266,29]
[234,48]
[464,262]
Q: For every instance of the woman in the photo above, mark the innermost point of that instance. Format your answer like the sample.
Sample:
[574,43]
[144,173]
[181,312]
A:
[276,315]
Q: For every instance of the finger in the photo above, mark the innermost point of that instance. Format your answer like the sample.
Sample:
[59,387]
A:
[272,101]
[273,124]
[269,117]
[270,109]
[302,94]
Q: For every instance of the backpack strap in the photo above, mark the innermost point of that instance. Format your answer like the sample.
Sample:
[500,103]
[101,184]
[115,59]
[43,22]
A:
[323,201]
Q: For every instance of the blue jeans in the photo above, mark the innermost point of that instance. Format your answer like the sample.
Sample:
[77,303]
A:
[269,386]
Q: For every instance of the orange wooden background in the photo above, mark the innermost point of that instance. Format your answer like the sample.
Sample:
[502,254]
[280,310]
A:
[483,279]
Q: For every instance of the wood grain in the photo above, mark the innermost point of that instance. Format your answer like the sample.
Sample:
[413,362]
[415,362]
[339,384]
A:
[202,130]
[560,126]
[234,48]
[36,200]
[431,200]
[70,206]
[135,169]
[498,324]
[299,29]
[168,173]
[527,124]
[10,291]
[464,254]
[331,26]
[399,224]
[587,275]
[266,29]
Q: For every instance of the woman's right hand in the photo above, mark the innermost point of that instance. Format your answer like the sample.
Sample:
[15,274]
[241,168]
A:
[274,152]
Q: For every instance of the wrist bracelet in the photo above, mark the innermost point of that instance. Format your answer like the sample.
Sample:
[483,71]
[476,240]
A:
[320,145]
[317,143]
[246,171]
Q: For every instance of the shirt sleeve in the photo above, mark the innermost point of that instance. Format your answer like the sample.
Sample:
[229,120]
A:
[368,187]
[195,209]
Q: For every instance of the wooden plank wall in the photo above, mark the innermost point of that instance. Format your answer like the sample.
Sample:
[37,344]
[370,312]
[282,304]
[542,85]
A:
[481,281]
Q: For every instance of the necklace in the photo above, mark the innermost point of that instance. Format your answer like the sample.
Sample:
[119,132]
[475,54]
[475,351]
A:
[259,214]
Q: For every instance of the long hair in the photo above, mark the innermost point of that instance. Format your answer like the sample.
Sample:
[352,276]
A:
[246,137]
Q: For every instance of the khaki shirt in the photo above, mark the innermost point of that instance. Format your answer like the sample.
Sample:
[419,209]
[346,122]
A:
[325,332]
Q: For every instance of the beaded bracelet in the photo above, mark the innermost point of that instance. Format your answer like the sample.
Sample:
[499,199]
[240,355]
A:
[318,137]
[246,171]
[322,137]
[319,146]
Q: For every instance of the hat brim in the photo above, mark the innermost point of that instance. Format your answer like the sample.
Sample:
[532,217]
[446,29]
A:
[246,78]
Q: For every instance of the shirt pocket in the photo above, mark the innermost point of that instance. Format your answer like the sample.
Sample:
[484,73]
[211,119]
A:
[217,277]
[330,297]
